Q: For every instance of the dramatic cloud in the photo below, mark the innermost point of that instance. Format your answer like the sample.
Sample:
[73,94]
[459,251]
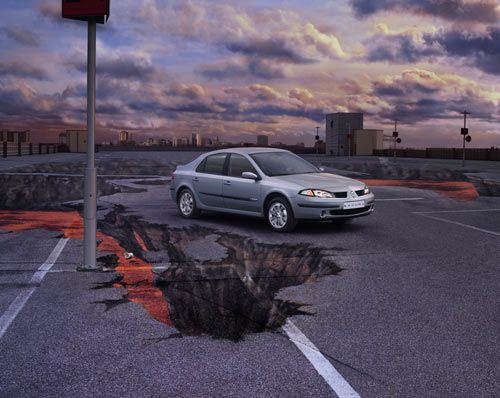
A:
[269,48]
[24,70]
[21,36]
[453,10]
[404,47]
[268,40]
[126,66]
[479,49]
[419,94]
[235,69]
[482,50]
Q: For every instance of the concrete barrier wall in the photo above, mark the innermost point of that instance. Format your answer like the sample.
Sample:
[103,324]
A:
[443,153]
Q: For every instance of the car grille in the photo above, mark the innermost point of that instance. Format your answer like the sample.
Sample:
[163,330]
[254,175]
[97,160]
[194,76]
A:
[340,194]
[349,212]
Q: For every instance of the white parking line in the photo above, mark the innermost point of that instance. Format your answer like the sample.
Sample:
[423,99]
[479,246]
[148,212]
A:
[459,223]
[397,199]
[334,379]
[455,211]
[22,298]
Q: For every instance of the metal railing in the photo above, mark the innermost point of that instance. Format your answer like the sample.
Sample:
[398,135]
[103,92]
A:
[443,153]
[26,149]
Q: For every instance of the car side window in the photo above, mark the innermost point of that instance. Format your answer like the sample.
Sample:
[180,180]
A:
[238,164]
[213,164]
[201,166]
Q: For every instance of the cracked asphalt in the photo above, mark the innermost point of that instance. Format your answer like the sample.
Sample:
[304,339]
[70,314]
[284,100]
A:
[415,311]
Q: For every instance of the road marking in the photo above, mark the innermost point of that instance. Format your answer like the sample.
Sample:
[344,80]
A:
[459,223]
[455,211]
[334,379]
[400,199]
[22,298]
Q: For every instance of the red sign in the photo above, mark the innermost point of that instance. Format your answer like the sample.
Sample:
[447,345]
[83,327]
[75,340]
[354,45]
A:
[85,9]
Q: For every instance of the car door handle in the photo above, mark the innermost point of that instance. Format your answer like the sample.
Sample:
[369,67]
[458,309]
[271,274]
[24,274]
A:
[227,182]
[196,179]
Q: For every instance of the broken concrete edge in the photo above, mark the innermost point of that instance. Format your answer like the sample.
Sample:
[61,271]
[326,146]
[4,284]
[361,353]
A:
[99,268]
[484,186]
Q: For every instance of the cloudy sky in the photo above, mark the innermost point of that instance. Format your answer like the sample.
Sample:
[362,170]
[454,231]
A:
[240,68]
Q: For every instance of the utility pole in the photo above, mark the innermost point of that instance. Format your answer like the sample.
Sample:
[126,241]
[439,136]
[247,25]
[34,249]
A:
[464,131]
[317,139]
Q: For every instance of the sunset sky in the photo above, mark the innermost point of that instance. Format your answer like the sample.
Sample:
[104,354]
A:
[241,68]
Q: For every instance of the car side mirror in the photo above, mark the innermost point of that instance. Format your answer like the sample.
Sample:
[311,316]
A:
[249,175]
[322,169]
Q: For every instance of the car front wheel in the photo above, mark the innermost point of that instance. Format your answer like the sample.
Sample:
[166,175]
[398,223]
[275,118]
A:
[280,215]
[187,204]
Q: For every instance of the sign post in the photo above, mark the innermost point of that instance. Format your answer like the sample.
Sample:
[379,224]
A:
[90,186]
[395,135]
[92,11]
[465,131]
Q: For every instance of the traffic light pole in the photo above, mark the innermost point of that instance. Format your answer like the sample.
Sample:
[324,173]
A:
[90,189]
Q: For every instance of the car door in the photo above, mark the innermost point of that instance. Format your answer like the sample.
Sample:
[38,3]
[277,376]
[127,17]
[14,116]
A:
[207,181]
[240,193]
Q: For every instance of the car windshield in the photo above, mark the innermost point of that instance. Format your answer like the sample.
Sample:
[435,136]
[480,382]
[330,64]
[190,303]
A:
[282,163]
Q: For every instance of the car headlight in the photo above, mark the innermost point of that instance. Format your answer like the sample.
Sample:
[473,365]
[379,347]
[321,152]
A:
[318,193]
[366,191]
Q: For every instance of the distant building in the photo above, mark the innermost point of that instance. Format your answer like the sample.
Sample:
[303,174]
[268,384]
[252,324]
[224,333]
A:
[124,138]
[75,140]
[15,136]
[319,146]
[181,141]
[366,141]
[262,140]
[338,127]
[199,140]
[164,142]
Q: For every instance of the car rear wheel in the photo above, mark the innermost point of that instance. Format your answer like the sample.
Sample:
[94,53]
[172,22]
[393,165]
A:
[187,204]
[280,215]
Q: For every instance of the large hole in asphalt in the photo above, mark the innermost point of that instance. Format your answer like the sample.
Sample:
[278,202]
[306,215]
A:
[220,285]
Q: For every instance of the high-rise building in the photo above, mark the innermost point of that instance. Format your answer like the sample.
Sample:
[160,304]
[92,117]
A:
[199,140]
[123,137]
[262,140]
[338,127]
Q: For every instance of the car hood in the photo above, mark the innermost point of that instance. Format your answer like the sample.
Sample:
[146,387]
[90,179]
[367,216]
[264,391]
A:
[326,181]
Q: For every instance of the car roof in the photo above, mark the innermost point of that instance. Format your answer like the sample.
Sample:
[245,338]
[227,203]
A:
[248,150]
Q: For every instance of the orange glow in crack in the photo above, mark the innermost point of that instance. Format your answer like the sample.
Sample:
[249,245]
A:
[137,274]
[458,190]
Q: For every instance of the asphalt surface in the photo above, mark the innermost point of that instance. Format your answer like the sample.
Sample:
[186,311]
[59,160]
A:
[414,313]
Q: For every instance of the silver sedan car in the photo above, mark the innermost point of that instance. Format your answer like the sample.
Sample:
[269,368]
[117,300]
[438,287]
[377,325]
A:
[266,182]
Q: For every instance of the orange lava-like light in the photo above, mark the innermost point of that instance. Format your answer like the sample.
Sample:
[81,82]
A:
[137,274]
[458,190]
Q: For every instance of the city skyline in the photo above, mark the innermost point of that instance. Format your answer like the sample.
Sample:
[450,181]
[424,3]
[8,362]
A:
[235,70]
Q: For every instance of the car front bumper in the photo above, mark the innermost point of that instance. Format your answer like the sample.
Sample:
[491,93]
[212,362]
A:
[307,208]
